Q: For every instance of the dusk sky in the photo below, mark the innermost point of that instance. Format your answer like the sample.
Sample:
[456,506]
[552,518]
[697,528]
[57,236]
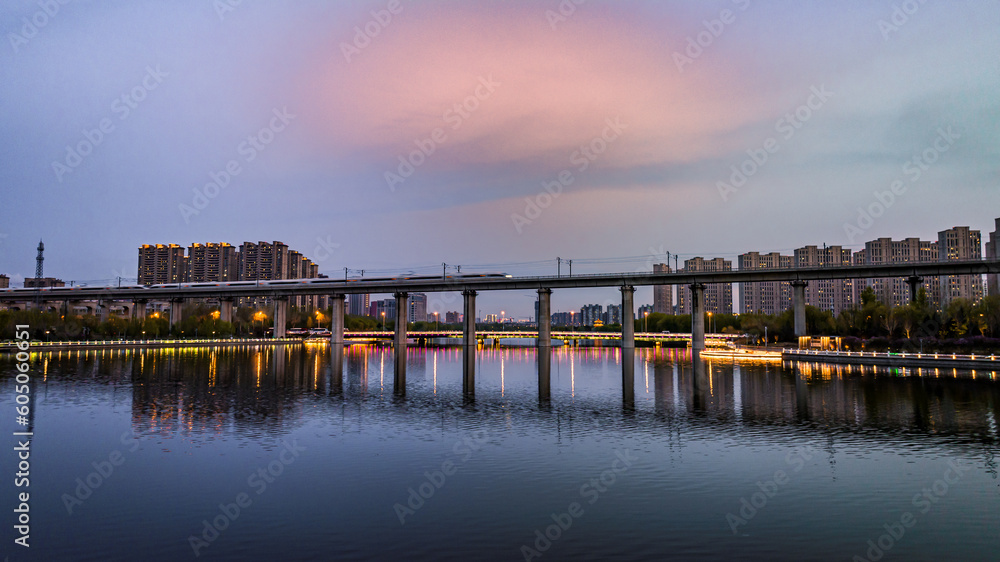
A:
[652,113]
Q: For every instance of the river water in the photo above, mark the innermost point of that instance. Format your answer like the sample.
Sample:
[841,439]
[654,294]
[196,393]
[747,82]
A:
[264,453]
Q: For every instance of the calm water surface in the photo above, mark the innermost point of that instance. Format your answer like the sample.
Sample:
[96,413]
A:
[273,454]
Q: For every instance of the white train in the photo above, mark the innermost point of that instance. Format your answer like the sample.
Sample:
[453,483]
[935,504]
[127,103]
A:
[320,281]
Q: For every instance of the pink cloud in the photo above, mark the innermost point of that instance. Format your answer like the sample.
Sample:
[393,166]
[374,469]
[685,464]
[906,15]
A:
[553,90]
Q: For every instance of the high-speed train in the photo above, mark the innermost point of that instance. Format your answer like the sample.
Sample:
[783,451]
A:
[275,283]
[332,281]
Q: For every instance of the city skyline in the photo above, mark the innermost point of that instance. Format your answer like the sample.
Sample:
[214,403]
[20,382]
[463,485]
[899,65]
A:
[959,242]
[629,129]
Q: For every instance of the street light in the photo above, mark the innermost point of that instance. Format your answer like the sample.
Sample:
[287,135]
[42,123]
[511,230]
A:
[259,316]
[383,320]
[711,328]
[437,326]
[645,321]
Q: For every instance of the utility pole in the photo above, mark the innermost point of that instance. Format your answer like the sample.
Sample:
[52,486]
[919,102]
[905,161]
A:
[570,267]
[444,271]
[558,267]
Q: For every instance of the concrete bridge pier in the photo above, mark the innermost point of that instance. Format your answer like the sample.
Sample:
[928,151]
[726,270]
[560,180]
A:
[697,316]
[139,309]
[628,317]
[399,339]
[799,304]
[914,282]
[544,319]
[337,320]
[103,311]
[280,316]
[176,312]
[469,320]
[226,310]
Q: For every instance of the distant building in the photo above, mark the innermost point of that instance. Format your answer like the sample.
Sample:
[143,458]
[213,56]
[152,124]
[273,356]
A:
[649,309]
[993,253]
[452,317]
[895,291]
[212,262]
[417,304]
[357,304]
[765,297]
[613,315]
[663,295]
[960,243]
[265,261]
[43,283]
[591,313]
[718,296]
[162,263]
[492,318]
[387,306]
[832,295]
[563,319]
[4,281]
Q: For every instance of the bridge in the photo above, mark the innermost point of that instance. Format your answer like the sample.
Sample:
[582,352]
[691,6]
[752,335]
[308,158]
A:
[280,291]
[677,338]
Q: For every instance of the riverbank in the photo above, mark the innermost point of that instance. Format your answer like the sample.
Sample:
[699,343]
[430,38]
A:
[38,346]
[937,360]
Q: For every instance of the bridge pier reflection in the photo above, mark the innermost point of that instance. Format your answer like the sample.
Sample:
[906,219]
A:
[700,383]
[544,376]
[628,377]
[337,368]
[399,370]
[469,374]
[801,396]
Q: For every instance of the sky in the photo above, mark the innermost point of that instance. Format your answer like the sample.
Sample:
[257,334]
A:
[394,136]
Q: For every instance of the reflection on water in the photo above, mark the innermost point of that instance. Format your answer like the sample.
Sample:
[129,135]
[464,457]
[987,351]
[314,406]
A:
[374,420]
